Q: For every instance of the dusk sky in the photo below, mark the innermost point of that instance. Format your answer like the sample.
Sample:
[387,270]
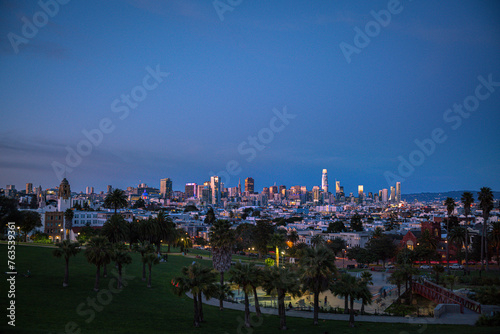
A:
[359,93]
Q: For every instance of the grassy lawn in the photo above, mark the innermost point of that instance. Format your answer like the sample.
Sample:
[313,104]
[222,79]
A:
[44,306]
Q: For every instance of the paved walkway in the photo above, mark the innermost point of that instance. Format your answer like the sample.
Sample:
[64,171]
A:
[447,319]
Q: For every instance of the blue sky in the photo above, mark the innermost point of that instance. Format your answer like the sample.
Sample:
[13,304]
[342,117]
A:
[225,78]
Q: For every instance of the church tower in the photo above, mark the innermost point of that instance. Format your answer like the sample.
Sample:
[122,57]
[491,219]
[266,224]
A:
[64,196]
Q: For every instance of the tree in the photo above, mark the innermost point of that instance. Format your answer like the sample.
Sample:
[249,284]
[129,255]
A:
[278,241]
[68,221]
[397,278]
[256,277]
[467,200]
[361,255]
[494,238]
[210,217]
[98,253]
[29,221]
[121,256]
[457,236]
[318,270]
[336,227]
[279,281]
[427,240]
[293,236]
[191,208]
[365,294]
[150,259]
[451,280]
[67,249]
[143,248]
[392,223]
[262,236]
[317,240]
[382,248]
[405,256]
[9,211]
[485,198]
[438,269]
[341,288]
[115,229]
[336,245]
[241,275]
[450,207]
[378,232]
[116,200]
[244,236]
[356,224]
[221,239]
[86,233]
[195,279]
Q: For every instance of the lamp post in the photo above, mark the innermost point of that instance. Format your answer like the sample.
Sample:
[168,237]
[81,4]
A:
[343,257]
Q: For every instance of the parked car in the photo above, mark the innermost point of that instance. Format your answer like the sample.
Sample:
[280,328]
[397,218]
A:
[390,266]
[456,266]
[424,266]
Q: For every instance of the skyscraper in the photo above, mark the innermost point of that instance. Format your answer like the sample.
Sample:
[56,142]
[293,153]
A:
[191,190]
[215,187]
[324,181]
[337,187]
[249,185]
[398,192]
[29,188]
[109,190]
[393,195]
[384,195]
[360,192]
[89,190]
[166,188]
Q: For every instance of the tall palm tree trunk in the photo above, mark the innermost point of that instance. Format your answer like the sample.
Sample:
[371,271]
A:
[247,311]
[119,276]
[97,278]
[200,306]
[143,270]
[221,297]
[66,273]
[486,253]
[351,313]
[316,307]
[466,248]
[363,301]
[346,304]
[149,279]
[482,245]
[256,299]
[281,309]
[196,312]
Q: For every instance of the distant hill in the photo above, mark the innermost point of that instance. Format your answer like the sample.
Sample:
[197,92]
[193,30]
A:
[431,197]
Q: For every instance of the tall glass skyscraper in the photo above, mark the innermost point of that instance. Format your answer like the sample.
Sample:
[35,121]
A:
[324,181]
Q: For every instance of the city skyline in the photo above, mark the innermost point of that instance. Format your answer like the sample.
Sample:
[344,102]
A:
[121,93]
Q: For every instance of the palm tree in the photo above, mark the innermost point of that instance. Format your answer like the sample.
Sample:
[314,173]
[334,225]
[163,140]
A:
[67,249]
[278,241]
[68,221]
[494,237]
[222,239]
[194,279]
[317,240]
[256,278]
[241,275]
[378,232]
[293,236]
[280,281]
[116,200]
[457,235]
[467,200]
[451,279]
[340,288]
[427,240]
[98,253]
[485,198]
[397,278]
[143,248]
[115,229]
[163,230]
[438,269]
[150,259]
[366,279]
[121,256]
[450,207]
[349,286]
[318,270]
